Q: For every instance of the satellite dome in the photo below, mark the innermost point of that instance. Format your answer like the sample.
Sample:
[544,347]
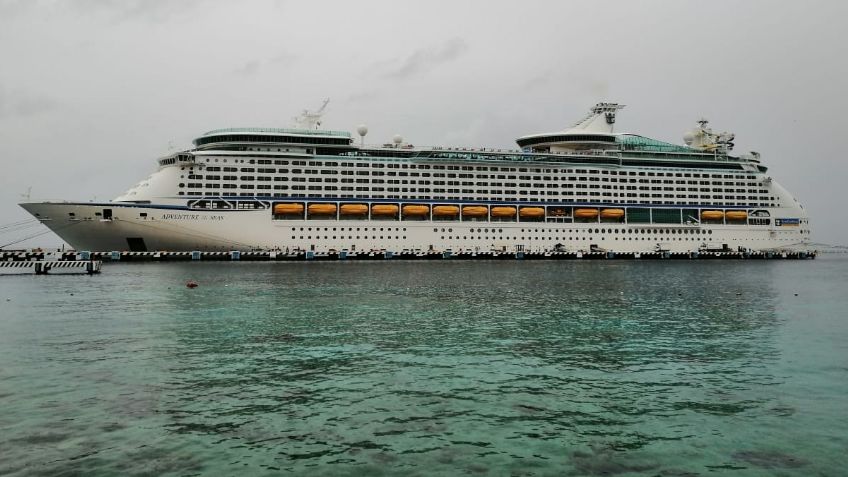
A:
[362,130]
[689,137]
[397,139]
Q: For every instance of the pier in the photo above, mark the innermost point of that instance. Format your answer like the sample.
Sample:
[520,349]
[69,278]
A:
[13,259]
[44,267]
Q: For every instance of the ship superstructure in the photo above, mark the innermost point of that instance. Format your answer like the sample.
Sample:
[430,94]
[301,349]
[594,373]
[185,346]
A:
[583,188]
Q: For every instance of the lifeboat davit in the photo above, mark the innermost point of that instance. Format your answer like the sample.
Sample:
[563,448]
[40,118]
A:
[612,213]
[711,215]
[736,215]
[503,211]
[384,209]
[353,209]
[415,210]
[445,210]
[288,209]
[475,211]
[585,213]
[321,209]
[531,212]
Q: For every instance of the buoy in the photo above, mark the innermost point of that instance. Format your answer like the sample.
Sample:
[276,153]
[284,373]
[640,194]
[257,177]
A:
[191,284]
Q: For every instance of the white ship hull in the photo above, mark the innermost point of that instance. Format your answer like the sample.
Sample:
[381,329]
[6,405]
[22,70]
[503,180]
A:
[151,228]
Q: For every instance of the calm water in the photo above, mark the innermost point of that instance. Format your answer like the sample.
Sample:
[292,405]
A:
[485,368]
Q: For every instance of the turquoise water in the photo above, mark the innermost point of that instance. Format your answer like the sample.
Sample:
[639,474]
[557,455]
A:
[440,368]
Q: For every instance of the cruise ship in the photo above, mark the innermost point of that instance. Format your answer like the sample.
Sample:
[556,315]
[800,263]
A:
[584,188]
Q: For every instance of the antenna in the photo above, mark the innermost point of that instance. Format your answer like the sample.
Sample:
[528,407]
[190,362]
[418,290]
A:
[26,195]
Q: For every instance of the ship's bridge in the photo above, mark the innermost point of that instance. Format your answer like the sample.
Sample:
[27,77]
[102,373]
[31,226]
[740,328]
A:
[276,136]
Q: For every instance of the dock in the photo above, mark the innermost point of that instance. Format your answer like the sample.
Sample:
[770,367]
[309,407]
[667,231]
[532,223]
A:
[44,267]
[10,259]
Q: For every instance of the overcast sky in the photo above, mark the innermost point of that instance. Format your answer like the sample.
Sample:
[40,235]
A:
[93,91]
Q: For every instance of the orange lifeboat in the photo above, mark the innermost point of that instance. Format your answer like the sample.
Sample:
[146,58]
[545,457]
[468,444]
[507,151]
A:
[288,209]
[531,212]
[475,211]
[384,209]
[353,209]
[445,210]
[321,209]
[612,213]
[415,210]
[712,215]
[585,213]
[503,211]
[736,215]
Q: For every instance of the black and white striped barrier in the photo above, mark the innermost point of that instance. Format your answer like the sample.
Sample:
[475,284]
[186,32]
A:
[41,267]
